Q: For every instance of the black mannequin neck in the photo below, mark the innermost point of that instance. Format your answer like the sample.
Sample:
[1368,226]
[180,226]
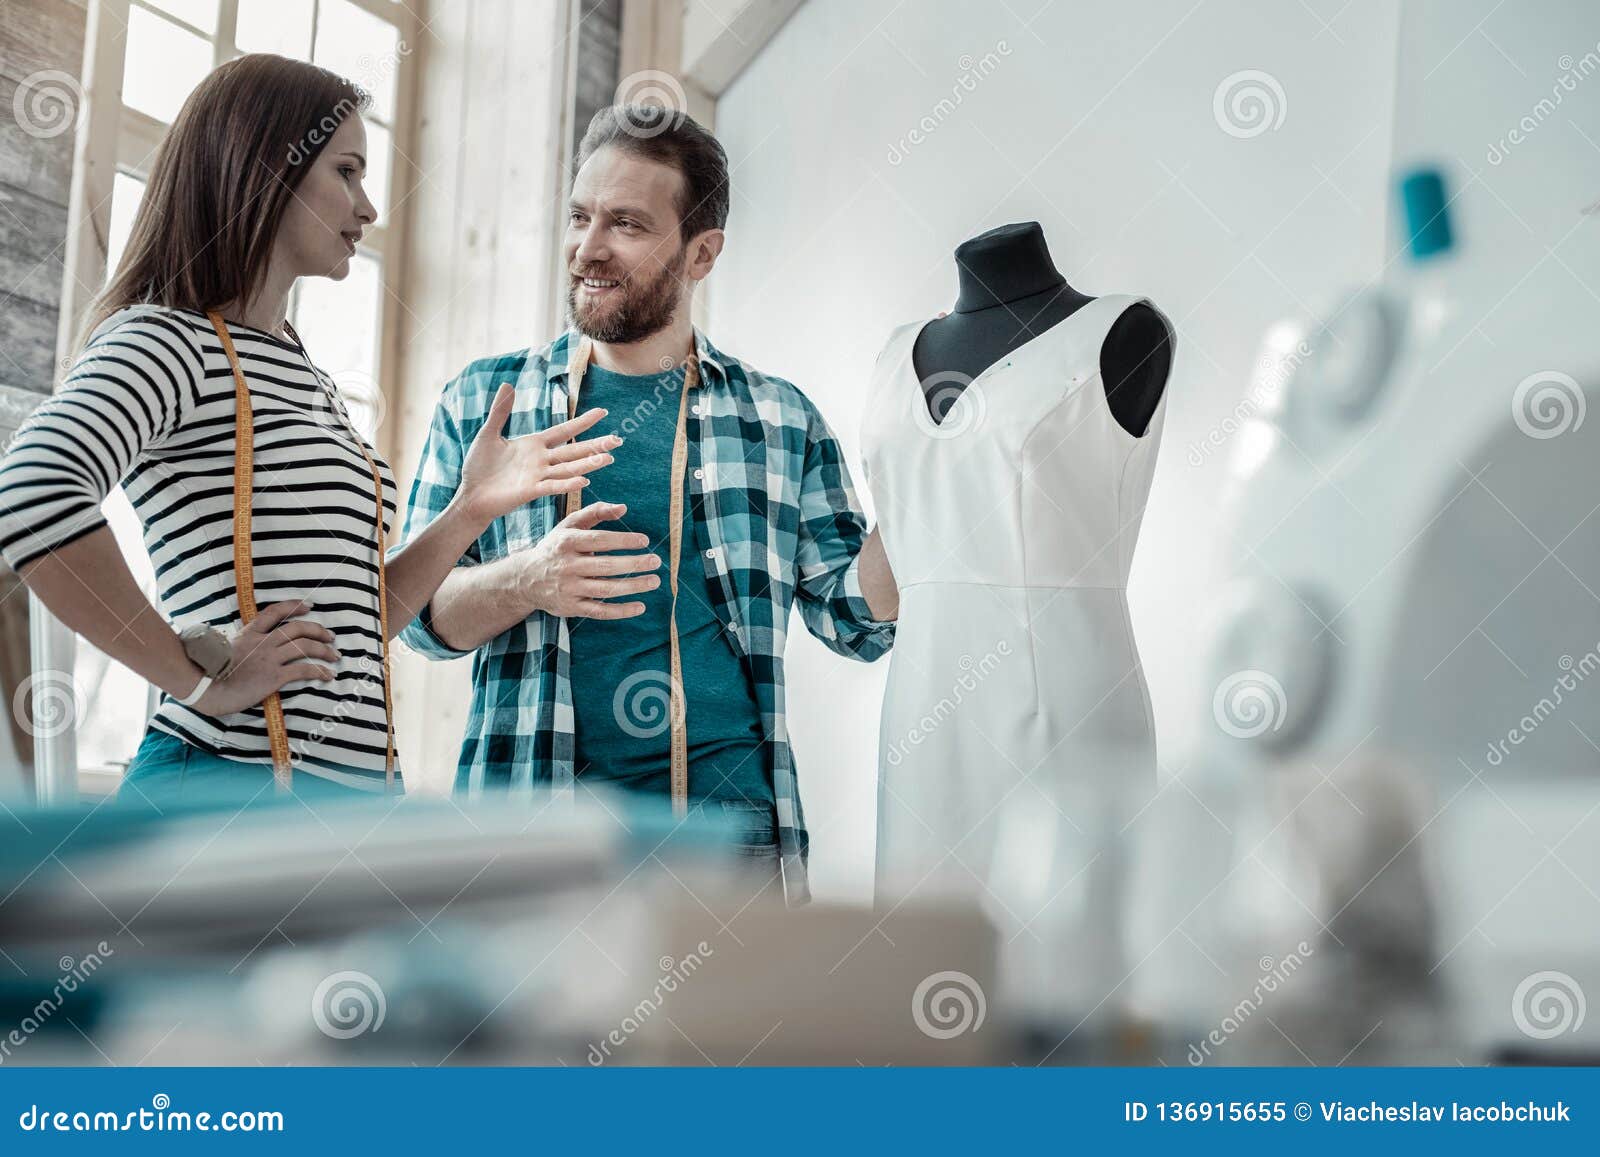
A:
[1005,265]
[1010,293]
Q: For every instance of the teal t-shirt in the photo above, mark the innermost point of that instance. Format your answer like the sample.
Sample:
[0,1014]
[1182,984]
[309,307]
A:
[621,668]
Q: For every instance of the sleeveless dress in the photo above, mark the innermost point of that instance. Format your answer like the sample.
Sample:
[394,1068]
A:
[1014,684]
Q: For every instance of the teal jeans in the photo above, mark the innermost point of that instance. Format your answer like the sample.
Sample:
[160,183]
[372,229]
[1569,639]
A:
[167,769]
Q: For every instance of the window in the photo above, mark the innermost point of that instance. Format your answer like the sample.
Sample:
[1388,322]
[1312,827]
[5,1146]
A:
[169,47]
[165,60]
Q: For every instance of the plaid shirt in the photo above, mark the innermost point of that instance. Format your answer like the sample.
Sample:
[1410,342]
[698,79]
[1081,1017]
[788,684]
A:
[775,520]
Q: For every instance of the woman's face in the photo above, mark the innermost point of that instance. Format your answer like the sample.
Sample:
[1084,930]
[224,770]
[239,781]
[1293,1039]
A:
[329,209]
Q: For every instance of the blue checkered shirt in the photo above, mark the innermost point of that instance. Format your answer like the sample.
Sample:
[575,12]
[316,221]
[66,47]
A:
[775,521]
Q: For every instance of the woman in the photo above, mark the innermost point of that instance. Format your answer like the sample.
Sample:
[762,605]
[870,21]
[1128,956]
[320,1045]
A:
[236,453]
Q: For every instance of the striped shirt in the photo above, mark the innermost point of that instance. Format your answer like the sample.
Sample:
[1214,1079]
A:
[150,405]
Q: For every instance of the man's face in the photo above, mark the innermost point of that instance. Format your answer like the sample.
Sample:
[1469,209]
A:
[625,260]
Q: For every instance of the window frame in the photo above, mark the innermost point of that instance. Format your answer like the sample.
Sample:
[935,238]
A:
[139,134]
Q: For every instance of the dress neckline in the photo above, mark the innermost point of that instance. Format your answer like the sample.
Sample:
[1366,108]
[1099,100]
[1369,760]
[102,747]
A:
[920,400]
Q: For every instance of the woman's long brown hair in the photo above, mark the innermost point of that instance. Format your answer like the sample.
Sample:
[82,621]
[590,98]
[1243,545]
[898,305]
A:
[243,141]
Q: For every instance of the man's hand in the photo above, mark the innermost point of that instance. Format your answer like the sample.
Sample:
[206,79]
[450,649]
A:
[564,575]
[878,585]
[500,474]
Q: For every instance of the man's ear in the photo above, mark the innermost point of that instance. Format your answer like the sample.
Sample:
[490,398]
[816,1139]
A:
[703,252]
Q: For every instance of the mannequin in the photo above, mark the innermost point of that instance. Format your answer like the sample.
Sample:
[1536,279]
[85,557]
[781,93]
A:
[1010,292]
[1012,522]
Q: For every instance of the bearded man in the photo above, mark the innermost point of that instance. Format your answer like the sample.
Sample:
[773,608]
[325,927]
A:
[632,634]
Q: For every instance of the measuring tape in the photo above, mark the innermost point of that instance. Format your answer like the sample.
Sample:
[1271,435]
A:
[244,563]
[680,458]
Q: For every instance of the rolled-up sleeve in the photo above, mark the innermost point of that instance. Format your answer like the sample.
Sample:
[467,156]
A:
[437,479]
[832,531]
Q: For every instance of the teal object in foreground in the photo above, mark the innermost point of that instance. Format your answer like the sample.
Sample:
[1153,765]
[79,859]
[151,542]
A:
[1427,211]
[167,770]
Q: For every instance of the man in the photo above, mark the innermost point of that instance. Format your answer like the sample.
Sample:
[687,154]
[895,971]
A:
[586,669]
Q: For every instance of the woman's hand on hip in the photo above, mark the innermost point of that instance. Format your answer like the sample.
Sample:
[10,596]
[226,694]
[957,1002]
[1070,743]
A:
[277,648]
[500,474]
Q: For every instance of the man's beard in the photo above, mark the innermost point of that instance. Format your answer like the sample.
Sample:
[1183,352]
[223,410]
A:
[634,310]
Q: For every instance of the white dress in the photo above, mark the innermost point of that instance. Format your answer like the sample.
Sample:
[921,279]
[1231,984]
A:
[1014,684]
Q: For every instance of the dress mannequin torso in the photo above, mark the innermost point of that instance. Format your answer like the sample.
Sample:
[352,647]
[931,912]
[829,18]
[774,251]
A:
[1010,292]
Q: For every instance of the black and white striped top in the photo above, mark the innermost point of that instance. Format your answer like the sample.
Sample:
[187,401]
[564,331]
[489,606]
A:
[150,404]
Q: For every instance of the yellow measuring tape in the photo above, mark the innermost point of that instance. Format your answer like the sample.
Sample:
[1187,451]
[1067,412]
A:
[244,563]
[680,460]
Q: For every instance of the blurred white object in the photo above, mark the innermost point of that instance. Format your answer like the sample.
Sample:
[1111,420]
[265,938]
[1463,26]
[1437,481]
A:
[1424,565]
[1056,892]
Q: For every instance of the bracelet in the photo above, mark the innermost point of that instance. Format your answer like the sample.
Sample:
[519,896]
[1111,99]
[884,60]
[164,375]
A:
[200,689]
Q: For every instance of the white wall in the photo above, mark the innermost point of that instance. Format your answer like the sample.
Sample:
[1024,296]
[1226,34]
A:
[1099,122]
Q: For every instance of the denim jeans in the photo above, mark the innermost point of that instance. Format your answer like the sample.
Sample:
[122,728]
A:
[751,826]
[168,769]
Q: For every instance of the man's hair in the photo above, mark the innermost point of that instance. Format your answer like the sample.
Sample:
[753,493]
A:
[671,138]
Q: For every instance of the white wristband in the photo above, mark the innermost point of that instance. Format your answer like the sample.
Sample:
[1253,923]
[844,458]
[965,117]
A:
[199,689]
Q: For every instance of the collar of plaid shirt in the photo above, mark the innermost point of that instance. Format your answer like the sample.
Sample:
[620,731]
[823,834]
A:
[776,522]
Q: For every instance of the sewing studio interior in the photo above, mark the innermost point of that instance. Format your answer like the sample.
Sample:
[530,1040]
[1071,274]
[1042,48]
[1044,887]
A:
[764,533]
